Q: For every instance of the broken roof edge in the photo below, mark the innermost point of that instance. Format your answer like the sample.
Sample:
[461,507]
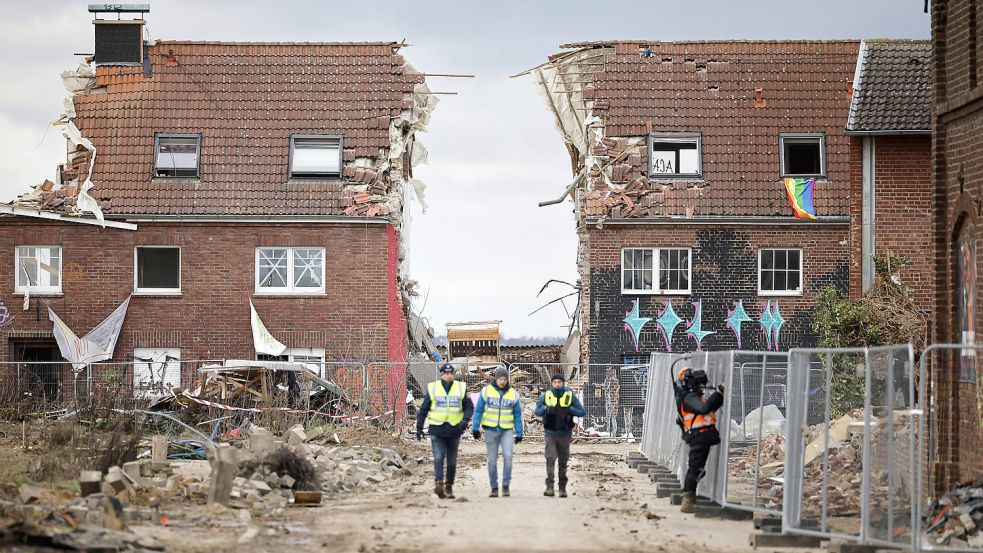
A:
[58,216]
[649,42]
[722,220]
[280,43]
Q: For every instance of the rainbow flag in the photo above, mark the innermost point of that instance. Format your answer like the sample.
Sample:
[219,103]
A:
[799,192]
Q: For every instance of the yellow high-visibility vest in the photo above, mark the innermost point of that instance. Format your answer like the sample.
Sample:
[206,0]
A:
[498,408]
[446,407]
[564,400]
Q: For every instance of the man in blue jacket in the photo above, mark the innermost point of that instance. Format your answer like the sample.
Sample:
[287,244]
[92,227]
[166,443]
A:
[448,409]
[500,414]
[558,406]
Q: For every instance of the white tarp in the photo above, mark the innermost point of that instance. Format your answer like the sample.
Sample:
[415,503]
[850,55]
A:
[84,202]
[263,341]
[97,345]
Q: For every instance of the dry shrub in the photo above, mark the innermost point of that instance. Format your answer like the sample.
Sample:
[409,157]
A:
[284,461]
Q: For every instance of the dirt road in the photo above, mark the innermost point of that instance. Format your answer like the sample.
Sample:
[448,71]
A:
[611,509]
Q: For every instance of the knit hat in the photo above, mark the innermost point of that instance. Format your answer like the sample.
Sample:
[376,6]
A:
[558,376]
[500,371]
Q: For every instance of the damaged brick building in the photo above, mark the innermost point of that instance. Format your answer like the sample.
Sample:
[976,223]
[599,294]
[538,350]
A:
[957,128]
[222,174]
[688,239]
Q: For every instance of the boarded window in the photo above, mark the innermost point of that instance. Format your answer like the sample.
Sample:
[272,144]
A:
[155,371]
[675,155]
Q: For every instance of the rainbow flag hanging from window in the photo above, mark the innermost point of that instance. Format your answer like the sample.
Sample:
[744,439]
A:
[799,192]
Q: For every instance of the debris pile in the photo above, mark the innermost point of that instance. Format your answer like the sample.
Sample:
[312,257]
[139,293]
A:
[956,519]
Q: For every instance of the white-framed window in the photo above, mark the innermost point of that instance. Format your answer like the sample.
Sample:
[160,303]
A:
[315,156]
[289,270]
[779,272]
[656,270]
[38,269]
[802,154]
[676,154]
[157,270]
[155,371]
[177,155]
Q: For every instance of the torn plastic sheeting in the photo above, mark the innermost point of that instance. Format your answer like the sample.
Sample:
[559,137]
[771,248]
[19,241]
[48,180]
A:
[77,81]
[419,190]
[84,202]
[418,153]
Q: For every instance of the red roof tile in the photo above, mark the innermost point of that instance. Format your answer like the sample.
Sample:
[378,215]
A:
[245,99]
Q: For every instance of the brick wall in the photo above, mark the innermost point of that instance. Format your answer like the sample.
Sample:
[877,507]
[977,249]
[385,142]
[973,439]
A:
[724,270]
[356,316]
[902,211]
[957,119]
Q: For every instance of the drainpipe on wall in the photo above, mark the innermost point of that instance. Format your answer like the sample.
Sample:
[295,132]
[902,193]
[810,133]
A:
[869,174]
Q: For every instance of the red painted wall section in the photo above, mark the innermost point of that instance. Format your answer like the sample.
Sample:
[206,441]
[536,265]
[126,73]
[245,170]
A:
[396,375]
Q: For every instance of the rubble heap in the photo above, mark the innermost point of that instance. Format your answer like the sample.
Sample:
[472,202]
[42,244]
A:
[956,519]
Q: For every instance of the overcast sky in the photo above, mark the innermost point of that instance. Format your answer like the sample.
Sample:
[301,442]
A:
[483,248]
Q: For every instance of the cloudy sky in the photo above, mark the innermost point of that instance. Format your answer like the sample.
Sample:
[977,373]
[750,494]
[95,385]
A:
[483,249]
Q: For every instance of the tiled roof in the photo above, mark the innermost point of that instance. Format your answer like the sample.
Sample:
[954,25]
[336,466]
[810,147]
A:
[713,88]
[893,91]
[245,99]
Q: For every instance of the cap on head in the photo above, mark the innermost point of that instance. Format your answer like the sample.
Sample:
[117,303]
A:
[446,368]
[558,376]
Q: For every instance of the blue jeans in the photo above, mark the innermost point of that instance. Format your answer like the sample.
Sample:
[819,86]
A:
[493,440]
[444,448]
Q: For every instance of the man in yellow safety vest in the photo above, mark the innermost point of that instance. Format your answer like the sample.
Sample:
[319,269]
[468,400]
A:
[448,409]
[500,414]
[558,406]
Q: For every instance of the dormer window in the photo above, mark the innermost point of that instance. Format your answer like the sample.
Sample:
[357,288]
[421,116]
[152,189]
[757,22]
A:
[803,154]
[177,155]
[675,155]
[315,157]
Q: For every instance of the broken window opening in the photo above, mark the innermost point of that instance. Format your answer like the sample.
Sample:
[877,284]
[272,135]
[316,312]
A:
[158,269]
[38,269]
[803,155]
[313,156]
[177,155]
[639,266]
[675,155]
[290,270]
[780,272]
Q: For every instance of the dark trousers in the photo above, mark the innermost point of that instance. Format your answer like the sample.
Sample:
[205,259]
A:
[699,451]
[445,449]
[557,449]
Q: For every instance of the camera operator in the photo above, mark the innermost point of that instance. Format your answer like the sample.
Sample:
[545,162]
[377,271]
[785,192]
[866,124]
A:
[696,419]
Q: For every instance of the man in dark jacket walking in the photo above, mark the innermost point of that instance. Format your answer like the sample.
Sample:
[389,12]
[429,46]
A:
[696,419]
[448,409]
[558,406]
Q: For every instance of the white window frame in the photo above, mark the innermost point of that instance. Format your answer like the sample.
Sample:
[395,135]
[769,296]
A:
[290,289]
[671,137]
[656,266]
[293,353]
[165,136]
[38,289]
[800,137]
[156,291]
[326,138]
[797,292]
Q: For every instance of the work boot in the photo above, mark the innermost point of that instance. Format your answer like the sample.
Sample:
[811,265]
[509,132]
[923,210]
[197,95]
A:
[438,488]
[505,491]
[494,493]
[449,490]
[549,492]
[689,503]
[563,491]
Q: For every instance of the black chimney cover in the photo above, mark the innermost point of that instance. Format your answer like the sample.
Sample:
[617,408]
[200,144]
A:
[119,42]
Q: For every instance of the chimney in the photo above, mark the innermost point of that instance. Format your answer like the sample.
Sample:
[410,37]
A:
[119,41]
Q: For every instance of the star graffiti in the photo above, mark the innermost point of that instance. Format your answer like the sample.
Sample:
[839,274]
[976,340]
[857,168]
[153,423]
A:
[735,318]
[695,328]
[668,321]
[634,322]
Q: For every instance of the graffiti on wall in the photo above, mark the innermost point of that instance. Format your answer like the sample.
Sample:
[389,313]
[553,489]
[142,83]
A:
[695,328]
[771,322]
[668,321]
[735,318]
[6,317]
[634,323]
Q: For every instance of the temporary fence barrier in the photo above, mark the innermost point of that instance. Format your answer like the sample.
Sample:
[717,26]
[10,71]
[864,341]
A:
[952,430]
